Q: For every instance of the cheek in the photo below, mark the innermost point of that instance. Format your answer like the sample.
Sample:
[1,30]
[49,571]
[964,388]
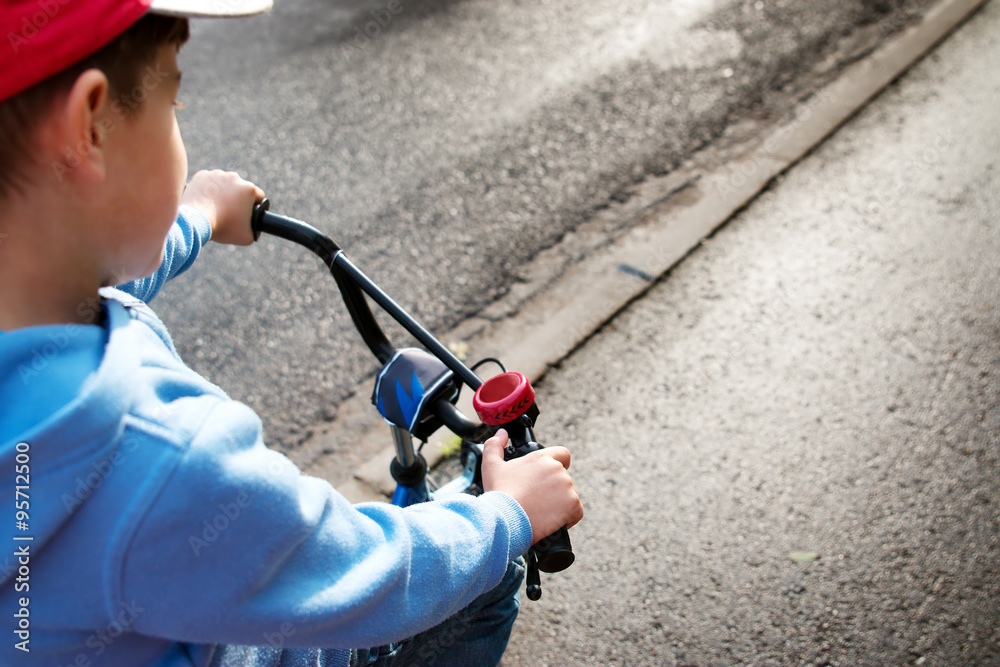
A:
[169,184]
[171,176]
[181,151]
[180,161]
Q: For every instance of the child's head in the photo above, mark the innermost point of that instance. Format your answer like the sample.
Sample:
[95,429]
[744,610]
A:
[87,96]
[49,43]
[123,61]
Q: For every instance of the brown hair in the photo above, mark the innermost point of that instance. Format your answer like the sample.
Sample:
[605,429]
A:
[123,61]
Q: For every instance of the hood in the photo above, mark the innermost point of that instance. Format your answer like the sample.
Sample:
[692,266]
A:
[63,401]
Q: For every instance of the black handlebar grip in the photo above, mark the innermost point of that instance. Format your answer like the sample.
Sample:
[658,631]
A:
[554,553]
[508,400]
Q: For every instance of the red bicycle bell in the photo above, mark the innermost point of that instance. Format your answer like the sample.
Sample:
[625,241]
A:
[503,398]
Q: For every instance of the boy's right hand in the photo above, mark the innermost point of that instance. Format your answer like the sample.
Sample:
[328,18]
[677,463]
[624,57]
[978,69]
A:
[227,201]
[538,481]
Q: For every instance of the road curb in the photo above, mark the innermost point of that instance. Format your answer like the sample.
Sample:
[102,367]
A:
[672,216]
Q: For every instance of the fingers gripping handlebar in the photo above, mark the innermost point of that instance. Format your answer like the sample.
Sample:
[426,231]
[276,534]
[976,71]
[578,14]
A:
[504,401]
[508,401]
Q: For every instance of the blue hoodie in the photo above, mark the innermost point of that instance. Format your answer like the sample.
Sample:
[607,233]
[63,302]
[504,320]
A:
[156,524]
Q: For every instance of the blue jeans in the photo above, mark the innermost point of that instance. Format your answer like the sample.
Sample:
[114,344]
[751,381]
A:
[476,636]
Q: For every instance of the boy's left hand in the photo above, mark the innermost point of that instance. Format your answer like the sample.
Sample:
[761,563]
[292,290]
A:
[227,201]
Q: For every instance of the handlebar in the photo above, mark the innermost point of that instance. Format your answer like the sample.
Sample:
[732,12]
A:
[321,245]
[551,554]
[459,424]
[354,284]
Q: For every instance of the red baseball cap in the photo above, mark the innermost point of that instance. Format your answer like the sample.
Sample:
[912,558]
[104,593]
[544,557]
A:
[43,37]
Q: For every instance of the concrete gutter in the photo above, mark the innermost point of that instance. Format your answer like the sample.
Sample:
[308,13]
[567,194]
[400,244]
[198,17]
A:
[564,302]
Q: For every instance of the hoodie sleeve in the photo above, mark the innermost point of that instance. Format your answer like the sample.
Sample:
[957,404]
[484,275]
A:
[190,231]
[240,546]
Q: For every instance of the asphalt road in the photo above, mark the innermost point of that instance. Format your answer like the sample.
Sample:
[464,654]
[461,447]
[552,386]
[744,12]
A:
[444,143]
[819,377]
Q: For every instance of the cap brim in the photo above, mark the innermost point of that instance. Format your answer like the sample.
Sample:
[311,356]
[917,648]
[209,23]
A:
[196,9]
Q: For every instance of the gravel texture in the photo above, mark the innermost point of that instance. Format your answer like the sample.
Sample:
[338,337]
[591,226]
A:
[820,377]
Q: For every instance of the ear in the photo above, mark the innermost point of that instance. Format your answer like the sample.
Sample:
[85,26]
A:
[77,140]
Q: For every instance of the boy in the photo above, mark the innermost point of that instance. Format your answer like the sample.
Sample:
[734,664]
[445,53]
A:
[152,526]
